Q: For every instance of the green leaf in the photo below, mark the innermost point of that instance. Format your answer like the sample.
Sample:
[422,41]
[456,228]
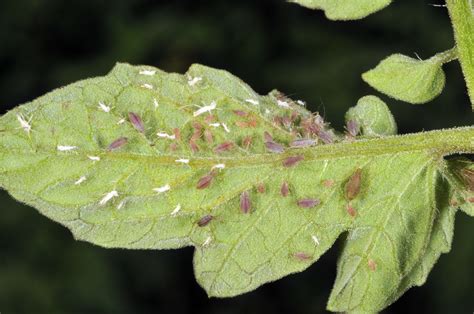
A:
[345,9]
[404,78]
[462,18]
[373,117]
[129,160]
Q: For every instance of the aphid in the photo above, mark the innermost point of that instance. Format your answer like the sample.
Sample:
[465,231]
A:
[223,147]
[205,220]
[372,265]
[353,185]
[252,101]
[94,158]
[261,188]
[147,86]
[308,202]
[177,134]
[352,128]
[246,124]
[284,190]
[25,125]
[245,204]
[136,121]
[315,239]
[328,183]
[108,197]
[470,200]
[351,211]
[176,210]
[147,72]
[80,180]
[302,256]
[162,189]
[104,107]
[240,113]
[194,81]
[246,142]
[303,143]
[468,176]
[65,148]
[205,181]
[325,136]
[292,161]
[118,143]
[204,109]
[194,146]
[274,147]
[208,136]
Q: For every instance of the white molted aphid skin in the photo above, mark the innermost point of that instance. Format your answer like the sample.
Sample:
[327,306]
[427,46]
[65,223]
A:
[182,160]
[283,104]
[252,101]
[65,148]
[23,123]
[147,72]
[155,103]
[94,158]
[194,81]
[301,103]
[147,86]
[162,189]
[81,179]
[104,107]
[216,125]
[219,166]
[166,135]
[204,109]
[315,239]
[207,241]
[121,121]
[120,205]
[108,197]
[226,128]
[176,210]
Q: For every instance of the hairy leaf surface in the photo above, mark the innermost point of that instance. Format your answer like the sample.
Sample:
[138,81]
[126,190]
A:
[144,159]
[345,9]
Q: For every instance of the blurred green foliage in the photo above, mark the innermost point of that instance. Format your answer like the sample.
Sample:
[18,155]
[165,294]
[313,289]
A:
[269,44]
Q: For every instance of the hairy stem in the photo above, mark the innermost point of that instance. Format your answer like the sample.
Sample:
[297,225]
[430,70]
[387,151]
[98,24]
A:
[461,13]
[446,56]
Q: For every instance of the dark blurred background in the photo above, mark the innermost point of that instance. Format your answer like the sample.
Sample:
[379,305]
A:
[269,44]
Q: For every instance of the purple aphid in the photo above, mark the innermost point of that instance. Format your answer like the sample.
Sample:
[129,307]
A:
[205,181]
[245,204]
[223,147]
[308,202]
[274,147]
[302,256]
[352,128]
[118,143]
[284,190]
[292,161]
[136,121]
[267,137]
[325,136]
[205,220]
[303,143]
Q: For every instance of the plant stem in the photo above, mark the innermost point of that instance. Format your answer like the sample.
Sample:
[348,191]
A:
[446,56]
[461,13]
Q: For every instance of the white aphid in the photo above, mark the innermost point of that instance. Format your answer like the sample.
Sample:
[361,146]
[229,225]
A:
[155,103]
[216,125]
[108,197]
[219,166]
[194,81]
[162,189]
[104,107]
[65,148]
[25,125]
[283,104]
[147,72]
[207,241]
[204,109]
[147,86]
[94,158]
[301,103]
[176,210]
[166,135]
[81,179]
[315,239]
[182,160]
[252,101]
[226,128]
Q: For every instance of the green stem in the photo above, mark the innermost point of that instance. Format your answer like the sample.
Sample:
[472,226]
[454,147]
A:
[461,13]
[445,56]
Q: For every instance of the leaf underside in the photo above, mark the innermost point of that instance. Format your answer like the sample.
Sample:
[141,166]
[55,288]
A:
[345,9]
[56,155]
